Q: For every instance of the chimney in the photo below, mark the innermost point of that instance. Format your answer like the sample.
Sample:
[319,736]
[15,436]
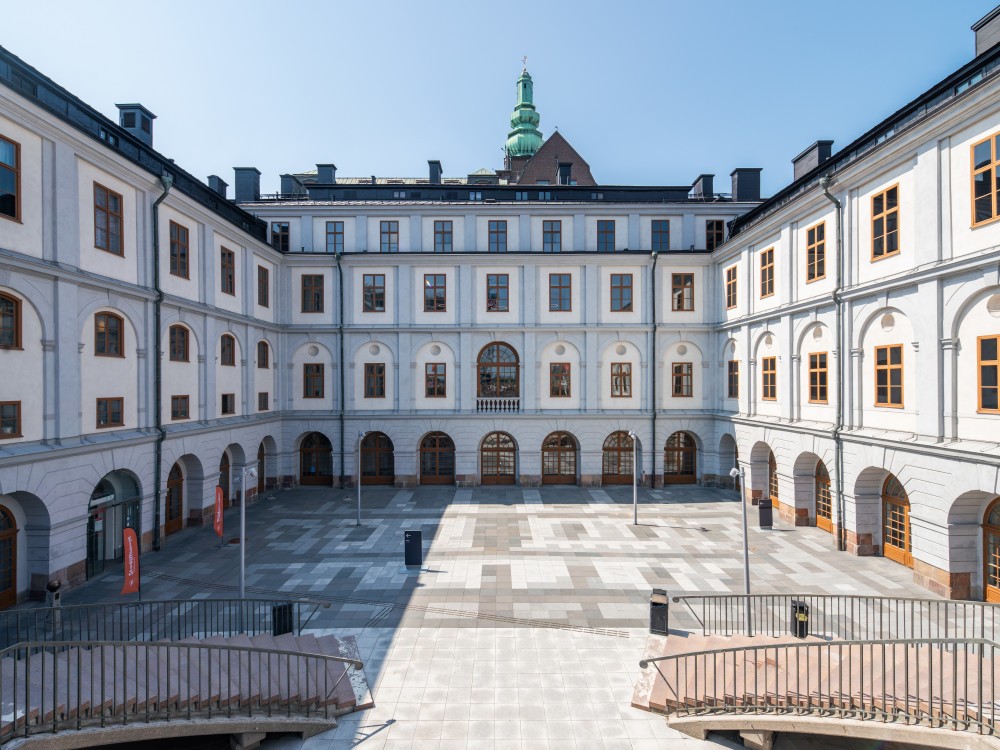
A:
[746,183]
[247,184]
[811,158]
[217,184]
[435,171]
[565,173]
[326,174]
[703,186]
[138,121]
[987,31]
[291,185]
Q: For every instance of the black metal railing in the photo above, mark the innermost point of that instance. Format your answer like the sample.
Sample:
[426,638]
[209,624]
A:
[494,405]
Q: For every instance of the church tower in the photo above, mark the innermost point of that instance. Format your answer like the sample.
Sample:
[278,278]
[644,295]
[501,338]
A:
[524,139]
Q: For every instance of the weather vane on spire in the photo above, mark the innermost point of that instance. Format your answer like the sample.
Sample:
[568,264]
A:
[524,62]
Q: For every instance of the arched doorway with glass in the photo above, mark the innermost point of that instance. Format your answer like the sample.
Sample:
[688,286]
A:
[991,552]
[225,475]
[680,459]
[8,558]
[377,459]
[437,459]
[173,520]
[772,481]
[498,459]
[896,541]
[559,452]
[618,459]
[316,460]
[824,498]
[114,505]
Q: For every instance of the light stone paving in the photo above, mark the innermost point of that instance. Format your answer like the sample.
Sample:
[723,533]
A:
[526,624]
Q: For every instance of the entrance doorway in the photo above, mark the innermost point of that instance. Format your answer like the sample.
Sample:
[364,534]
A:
[8,559]
[174,520]
[559,459]
[437,459]
[377,459]
[680,459]
[316,460]
[617,462]
[114,505]
[498,454]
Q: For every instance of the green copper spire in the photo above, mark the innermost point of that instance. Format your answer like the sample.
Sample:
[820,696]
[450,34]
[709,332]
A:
[525,138]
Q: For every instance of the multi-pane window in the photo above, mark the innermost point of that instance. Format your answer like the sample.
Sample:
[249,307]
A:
[621,292]
[559,380]
[475,195]
[263,401]
[605,236]
[989,374]
[375,380]
[817,378]
[560,292]
[10,179]
[110,412]
[731,287]
[228,403]
[227,355]
[279,236]
[109,335]
[733,378]
[389,236]
[715,233]
[767,272]
[498,236]
[312,293]
[10,419]
[682,292]
[885,223]
[660,235]
[497,292]
[312,380]
[335,237]
[442,237]
[985,184]
[816,252]
[521,195]
[682,379]
[263,355]
[435,292]
[889,375]
[179,344]
[435,380]
[769,378]
[107,220]
[228,268]
[10,322]
[180,407]
[263,287]
[179,250]
[544,195]
[552,236]
[621,379]
[373,292]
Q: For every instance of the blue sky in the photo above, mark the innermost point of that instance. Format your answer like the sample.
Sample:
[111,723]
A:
[647,92]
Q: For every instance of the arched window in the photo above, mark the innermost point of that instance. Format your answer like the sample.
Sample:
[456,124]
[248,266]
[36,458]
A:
[498,454]
[228,356]
[991,552]
[8,559]
[824,504]
[499,375]
[263,355]
[109,335]
[896,522]
[617,462]
[559,459]
[179,344]
[377,459]
[437,459]
[680,459]
[10,322]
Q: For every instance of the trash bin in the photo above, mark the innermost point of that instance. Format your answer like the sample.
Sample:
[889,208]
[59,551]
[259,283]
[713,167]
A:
[281,619]
[765,513]
[800,619]
[658,608]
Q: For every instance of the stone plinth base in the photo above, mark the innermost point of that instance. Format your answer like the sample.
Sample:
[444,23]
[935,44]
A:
[941,582]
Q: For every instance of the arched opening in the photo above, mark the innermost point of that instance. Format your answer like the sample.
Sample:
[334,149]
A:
[618,462]
[437,459]
[377,459]
[896,522]
[772,481]
[680,459]
[824,500]
[727,460]
[498,457]
[8,559]
[224,478]
[559,459]
[174,515]
[498,379]
[261,468]
[114,505]
[991,549]
[316,460]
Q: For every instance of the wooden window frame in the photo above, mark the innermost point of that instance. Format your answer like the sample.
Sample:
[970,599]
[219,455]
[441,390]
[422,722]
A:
[263,362]
[180,250]
[559,287]
[490,371]
[819,378]
[435,382]
[621,287]
[552,235]
[677,284]
[884,215]
[263,401]
[606,235]
[493,282]
[177,401]
[263,286]
[889,368]
[120,354]
[684,371]
[980,363]
[732,287]
[232,400]
[16,343]
[369,287]
[281,234]
[107,404]
[17,425]
[497,229]
[374,383]
[733,378]
[335,232]
[769,378]
[991,170]
[108,216]
[388,236]
[430,303]
[16,169]
[557,377]
[187,343]
[657,236]
[815,252]
[228,271]
[444,240]
[313,374]
[715,233]
[623,372]
[311,303]
[767,273]
[231,353]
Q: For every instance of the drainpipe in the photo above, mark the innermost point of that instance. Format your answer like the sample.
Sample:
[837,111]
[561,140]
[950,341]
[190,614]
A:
[824,182]
[167,181]
[340,369]
[652,481]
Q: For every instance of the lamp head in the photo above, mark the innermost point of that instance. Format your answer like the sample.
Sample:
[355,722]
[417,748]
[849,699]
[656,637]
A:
[734,472]
[252,472]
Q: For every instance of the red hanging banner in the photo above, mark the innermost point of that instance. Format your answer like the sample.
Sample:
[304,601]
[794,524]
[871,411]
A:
[217,521]
[131,545]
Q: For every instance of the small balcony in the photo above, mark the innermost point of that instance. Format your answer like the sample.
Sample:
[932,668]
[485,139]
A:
[496,405]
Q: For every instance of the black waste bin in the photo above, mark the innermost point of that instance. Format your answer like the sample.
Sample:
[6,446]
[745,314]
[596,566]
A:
[281,619]
[658,608]
[800,619]
[765,513]
[413,553]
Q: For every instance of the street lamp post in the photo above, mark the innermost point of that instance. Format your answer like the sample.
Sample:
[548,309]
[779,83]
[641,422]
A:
[249,472]
[635,478]
[740,473]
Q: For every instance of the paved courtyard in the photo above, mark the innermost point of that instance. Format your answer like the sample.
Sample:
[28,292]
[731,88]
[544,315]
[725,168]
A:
[525,626]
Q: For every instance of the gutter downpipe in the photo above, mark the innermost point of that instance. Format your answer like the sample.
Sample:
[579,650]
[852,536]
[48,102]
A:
[167,181]
[340,368]
[825,182]
[652,481]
